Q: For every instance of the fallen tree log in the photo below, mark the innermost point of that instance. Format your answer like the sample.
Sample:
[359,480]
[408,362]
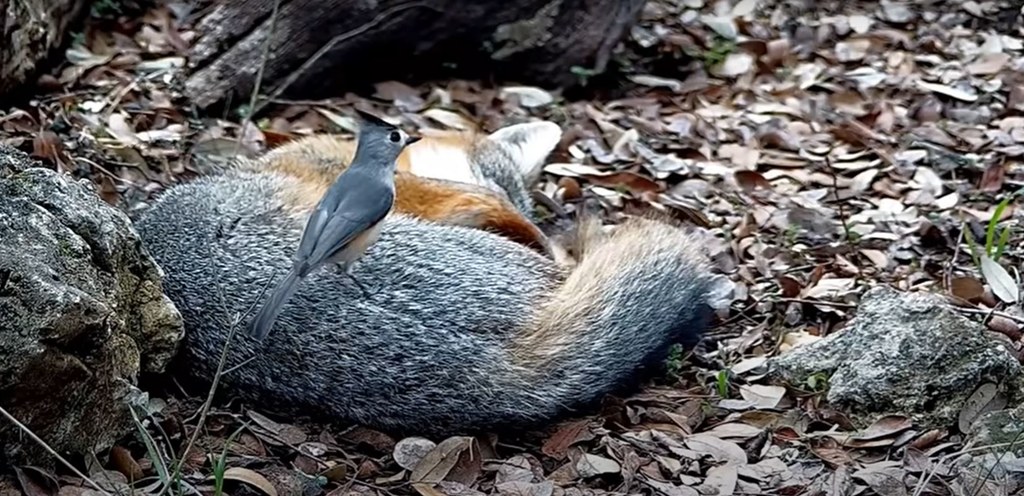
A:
[321,46]
[31,30]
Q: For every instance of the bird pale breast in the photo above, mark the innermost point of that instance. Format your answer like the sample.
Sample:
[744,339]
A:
[355,249]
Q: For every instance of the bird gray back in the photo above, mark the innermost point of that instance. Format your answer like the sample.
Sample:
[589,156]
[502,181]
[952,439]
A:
[360,197]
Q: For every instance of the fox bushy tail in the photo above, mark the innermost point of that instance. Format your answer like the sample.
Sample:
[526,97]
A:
[633,294]
[463,331]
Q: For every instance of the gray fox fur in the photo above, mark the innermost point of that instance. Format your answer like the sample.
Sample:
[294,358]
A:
[460,330]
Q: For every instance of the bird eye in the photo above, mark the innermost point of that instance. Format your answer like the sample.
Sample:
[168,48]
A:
[395,137]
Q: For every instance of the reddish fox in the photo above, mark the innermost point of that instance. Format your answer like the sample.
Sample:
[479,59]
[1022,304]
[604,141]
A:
[462,330]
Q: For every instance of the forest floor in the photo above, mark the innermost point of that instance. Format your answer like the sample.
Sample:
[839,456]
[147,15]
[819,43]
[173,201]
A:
[828,148]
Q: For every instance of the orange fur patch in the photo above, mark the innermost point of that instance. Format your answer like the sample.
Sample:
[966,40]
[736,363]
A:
[467,205]
[316,162]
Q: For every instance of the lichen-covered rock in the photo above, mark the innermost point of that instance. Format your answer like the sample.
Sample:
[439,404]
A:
[904,353]
[82,312]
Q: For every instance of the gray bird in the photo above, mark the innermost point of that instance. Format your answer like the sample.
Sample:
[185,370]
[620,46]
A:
[348,218]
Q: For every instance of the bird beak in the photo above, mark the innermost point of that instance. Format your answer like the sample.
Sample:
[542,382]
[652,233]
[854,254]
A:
[412,139]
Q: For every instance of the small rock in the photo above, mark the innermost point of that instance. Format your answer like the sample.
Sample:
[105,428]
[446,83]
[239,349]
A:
[409,451]
[904,353]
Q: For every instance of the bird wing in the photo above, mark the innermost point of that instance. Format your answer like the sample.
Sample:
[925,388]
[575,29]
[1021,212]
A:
[311,233]
[361,205]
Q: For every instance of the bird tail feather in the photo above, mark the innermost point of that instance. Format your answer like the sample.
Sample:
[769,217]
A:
[271,309]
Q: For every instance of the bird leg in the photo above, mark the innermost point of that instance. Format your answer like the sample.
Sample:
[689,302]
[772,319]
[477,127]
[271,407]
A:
[346,268]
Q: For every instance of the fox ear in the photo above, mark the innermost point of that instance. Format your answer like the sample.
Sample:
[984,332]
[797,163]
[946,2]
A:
[532,142]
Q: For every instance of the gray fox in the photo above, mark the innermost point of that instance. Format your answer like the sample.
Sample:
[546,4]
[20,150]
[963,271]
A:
[461,329]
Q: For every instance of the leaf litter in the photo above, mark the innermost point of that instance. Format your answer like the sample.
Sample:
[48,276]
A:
[821,148]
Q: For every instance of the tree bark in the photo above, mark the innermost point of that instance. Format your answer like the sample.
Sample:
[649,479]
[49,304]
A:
[322,46]
[31,30]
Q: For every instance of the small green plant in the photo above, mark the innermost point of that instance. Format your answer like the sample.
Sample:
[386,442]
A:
[791,234]
[583,74]
[244,111]
[220,463]
[105,8]
[674,363]
[817,382]
[718,51]
[995,238]
[722,383]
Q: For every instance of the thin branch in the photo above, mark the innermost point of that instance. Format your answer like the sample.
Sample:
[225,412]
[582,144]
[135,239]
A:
[294,76]
[259,75]
[991,313]
[834,304]
[216,381]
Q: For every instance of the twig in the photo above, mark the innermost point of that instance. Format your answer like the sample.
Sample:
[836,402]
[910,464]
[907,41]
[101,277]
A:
[213,386]
[236,367]
[50,450]
[991,313]
[819,302]
[294,76]
[992,467]
[839,202]
[948,276]
[259,75]
[924,482]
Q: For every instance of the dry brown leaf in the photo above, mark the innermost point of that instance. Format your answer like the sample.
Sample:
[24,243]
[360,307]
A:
[883,479]
[568,434]
[528,96]
[833,455]
[751,180]
[35,481]
[440,461]
[763,396]
[984,399]
[992,179]
[450,119]
[959,93]
[791,287]
[252,478]
[735,430]
[886,426]
[669,489]
[635,183]
[735,64]
[1005,326]
[521,488]
[279,432]
[722,479]
[988,64]
[123,461]
[402,95]
[968,288]
[719,449]
[590,465]
[378,440]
